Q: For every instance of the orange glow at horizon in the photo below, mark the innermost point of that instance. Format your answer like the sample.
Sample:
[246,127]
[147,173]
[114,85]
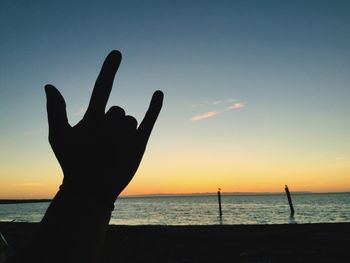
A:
[187,177]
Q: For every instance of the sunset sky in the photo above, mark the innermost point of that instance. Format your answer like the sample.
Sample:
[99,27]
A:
[257,93]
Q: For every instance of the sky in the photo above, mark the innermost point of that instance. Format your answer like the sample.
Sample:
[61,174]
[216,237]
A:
[256,92]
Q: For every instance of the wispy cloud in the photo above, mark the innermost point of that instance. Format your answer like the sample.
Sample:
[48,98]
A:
[233,105]
[200,104]
[205,115]
[206,102]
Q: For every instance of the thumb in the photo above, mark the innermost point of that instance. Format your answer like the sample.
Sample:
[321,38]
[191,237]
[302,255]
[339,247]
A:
[56,110]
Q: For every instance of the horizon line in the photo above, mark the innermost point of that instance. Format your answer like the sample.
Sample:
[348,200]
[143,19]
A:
[5,200]
[234,193]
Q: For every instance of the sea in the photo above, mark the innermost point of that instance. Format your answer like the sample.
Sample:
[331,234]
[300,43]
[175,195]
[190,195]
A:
[237,209]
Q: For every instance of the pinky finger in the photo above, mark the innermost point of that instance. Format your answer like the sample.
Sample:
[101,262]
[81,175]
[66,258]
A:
[146,126]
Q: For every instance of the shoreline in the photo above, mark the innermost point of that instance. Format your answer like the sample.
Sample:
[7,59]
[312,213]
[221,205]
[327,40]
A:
[23,201]
[320,242]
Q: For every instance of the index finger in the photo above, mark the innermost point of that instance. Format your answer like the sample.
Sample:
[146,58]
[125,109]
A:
[103,85]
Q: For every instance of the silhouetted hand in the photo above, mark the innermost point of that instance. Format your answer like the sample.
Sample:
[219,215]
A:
[100,155]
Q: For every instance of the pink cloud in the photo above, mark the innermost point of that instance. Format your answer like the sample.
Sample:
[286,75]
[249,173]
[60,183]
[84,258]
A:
[232,105]
[235,106]
[204,116]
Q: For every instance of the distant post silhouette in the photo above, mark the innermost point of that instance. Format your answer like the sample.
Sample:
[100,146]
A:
[289,201]
[219,200]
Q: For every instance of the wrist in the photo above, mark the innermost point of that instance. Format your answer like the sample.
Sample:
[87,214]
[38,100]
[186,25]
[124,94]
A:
[85,196]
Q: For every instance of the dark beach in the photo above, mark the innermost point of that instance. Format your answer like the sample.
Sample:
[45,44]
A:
[226,243]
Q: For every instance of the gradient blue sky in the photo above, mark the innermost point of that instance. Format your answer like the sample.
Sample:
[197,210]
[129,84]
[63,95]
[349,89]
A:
[286,65]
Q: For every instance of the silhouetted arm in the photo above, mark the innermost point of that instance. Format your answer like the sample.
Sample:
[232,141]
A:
[99,156]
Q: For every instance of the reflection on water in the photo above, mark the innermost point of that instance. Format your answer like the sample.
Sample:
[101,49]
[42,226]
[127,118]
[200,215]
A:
[292,220]
[203,210]
[27,212]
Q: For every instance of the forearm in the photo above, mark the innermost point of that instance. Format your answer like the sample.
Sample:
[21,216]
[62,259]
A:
[72,230]
[99,157]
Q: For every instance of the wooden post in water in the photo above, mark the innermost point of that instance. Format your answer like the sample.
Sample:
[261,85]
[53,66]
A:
[219,199]
[289,201]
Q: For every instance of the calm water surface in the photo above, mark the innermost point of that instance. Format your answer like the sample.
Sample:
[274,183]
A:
[203,210]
